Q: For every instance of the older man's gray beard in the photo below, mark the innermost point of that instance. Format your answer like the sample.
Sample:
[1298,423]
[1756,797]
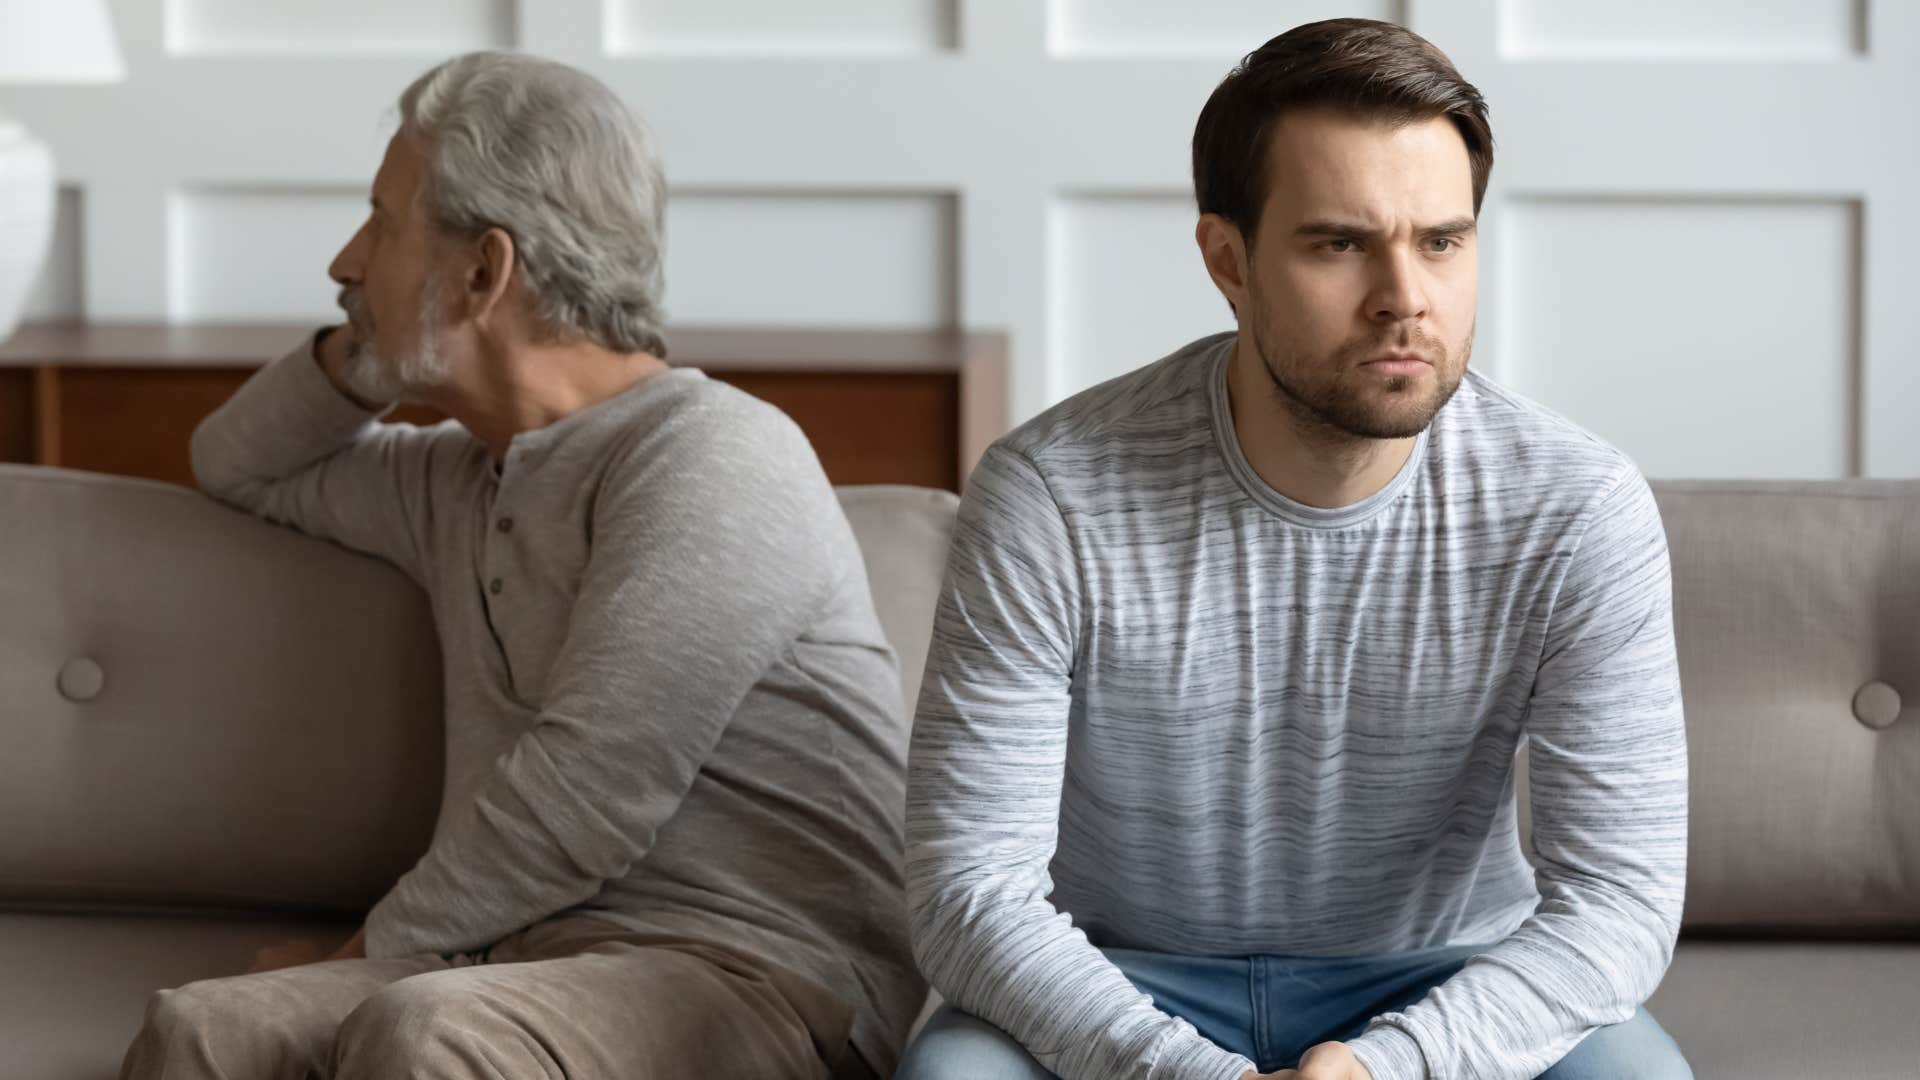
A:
[374,377]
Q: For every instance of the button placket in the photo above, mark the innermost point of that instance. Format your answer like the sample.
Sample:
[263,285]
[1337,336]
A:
[495,543]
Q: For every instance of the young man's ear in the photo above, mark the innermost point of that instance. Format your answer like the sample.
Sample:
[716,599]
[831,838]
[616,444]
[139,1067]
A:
[1225,252]
[489,272]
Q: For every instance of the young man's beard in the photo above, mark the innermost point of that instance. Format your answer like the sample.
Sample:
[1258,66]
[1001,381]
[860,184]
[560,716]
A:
[1321,394]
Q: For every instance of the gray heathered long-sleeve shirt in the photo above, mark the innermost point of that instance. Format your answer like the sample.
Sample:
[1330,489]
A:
[1167,708]
[669,702]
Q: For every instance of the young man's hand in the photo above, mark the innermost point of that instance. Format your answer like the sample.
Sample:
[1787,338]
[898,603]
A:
[1328,1061]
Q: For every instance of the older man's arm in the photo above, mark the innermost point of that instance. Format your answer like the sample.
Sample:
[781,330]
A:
[1608,773]
[294,447]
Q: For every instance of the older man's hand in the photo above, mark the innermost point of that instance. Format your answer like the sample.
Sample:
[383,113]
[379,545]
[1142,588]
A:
[1327,1061]
[354,949]
[306,951]
[285,955]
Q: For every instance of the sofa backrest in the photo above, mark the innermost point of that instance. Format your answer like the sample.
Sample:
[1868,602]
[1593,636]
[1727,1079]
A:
[1797,613]
[200,709]
[903,533]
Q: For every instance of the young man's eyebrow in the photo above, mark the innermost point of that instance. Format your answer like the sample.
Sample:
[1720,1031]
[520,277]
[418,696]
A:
[1337,230]
[1462,226]
[1340,230]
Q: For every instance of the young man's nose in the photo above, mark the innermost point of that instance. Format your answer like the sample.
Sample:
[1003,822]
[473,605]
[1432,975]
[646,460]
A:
[1398,293]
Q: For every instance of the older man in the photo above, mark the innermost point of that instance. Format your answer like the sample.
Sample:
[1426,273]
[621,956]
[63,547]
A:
[668,842]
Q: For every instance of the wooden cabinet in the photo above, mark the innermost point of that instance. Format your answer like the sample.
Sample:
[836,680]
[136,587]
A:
[879,406]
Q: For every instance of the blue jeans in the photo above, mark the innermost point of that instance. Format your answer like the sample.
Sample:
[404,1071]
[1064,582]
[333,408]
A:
[1273,1008]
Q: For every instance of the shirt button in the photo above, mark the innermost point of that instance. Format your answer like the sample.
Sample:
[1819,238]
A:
[494,586]
[505,525]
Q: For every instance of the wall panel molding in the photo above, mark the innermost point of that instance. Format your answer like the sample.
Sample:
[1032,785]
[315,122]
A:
[1725,30]
[336,27]
[760,27]
[1709,337]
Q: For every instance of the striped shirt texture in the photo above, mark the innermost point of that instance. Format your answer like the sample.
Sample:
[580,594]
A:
[1167,708]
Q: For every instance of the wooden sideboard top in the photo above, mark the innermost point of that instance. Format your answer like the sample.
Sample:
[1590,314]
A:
[882,406]
[246,345]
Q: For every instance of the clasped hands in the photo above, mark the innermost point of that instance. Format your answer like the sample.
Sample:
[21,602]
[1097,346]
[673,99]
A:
[1327,1061]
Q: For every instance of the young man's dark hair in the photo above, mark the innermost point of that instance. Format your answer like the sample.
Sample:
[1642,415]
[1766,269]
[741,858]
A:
[1372,69]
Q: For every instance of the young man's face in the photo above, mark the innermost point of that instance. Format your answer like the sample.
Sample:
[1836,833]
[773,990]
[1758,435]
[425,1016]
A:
[388,286]
[1362,277]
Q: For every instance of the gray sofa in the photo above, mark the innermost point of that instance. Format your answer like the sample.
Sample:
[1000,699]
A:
[218,734]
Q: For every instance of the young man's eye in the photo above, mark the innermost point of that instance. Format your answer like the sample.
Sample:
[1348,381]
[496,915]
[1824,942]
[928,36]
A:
[1446,243]
[1340,246]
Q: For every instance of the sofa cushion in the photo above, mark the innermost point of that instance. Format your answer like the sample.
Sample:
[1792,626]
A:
[1797,611]
[1746,1009]
[903,534]
[201,708]
[76,986]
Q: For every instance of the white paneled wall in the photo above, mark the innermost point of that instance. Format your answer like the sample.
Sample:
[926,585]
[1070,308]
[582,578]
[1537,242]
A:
[812,259]
[1218,28]
[820,27]
[252,28]
[243,252]
[1125,282]
[1701,237]
[1699,29]
[1743,370]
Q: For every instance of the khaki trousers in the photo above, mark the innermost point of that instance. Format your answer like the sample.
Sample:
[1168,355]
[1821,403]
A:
[575,997]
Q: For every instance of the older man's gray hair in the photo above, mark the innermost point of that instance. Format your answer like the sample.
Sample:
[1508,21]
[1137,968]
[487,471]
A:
[551,155]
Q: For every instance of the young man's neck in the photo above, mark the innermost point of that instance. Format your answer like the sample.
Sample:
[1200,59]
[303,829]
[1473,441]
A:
[533,385]
[1303,459]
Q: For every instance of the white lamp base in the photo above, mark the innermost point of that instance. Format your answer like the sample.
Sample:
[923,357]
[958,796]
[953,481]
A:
[26,218]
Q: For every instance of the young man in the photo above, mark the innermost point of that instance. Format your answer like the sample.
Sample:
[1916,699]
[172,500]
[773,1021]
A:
[1214,765]
[668,844]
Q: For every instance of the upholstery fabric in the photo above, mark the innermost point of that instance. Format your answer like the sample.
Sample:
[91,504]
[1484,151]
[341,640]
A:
[1789,598]
[1755,1010]
[74,987]
[266,730]
[903,533]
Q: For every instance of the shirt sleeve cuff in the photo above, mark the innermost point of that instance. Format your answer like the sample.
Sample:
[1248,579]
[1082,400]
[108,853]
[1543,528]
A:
[1389,1052]
[1195,1057]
